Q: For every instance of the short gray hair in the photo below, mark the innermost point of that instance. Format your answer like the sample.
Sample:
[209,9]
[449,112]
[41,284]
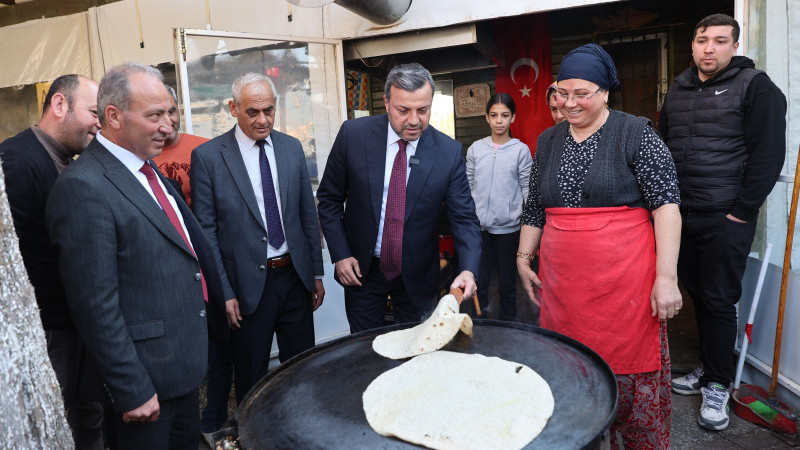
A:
[250,78]
[115,87]
[172,92]
[408,77]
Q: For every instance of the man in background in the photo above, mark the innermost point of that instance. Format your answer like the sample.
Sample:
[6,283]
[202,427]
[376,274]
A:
[32,160]
[725,124]
[176,156]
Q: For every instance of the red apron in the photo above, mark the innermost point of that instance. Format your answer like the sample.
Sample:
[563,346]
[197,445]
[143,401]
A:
[597,267]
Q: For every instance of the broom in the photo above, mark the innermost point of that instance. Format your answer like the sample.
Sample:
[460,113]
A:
[787,255]
[748,402]
[753,403]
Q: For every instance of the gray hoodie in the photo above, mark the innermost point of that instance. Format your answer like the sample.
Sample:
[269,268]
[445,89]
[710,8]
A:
[498,180]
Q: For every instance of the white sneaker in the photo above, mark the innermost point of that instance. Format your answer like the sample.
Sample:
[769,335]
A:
[714,411]
[688,384]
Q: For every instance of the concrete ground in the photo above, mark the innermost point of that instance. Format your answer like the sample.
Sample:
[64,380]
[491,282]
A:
[685,432]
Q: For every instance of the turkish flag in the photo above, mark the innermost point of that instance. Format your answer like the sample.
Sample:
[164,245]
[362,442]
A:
[527,73]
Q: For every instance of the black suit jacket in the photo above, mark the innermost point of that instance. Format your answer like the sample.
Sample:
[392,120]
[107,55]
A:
[30,174]
[350,196]
[132,284]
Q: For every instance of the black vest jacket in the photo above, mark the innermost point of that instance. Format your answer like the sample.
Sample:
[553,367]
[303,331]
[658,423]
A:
[706,137]
[610,180]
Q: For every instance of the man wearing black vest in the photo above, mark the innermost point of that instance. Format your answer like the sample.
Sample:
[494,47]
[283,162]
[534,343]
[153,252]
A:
[725,124]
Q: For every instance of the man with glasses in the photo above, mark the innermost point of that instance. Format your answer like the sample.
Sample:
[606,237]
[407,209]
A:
[724,122]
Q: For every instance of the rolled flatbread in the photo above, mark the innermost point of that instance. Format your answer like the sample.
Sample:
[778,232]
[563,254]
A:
[447,400]
[428,336]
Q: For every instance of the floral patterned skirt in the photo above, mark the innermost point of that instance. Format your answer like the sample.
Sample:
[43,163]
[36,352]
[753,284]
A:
[645,404]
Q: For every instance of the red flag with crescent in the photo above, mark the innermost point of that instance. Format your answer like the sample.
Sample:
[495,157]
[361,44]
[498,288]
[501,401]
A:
[526,73]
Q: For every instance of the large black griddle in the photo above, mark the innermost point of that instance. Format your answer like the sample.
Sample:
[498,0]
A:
[313,401]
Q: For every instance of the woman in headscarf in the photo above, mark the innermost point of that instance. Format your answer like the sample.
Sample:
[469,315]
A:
[551,103]
[603,211]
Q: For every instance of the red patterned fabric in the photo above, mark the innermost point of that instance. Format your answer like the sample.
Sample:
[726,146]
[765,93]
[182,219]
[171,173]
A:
[526,73]
[395,216]
[645,404]
[174,161]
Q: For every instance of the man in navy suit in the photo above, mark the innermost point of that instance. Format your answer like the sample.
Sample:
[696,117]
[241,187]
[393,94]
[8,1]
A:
[31,162]
[252,194]
[379,199]
[140,279]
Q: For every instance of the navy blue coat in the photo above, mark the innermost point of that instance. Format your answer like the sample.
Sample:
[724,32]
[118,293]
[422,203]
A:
[351,191]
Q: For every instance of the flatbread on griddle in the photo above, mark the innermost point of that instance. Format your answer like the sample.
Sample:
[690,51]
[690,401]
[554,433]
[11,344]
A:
[428,336]
[447,400]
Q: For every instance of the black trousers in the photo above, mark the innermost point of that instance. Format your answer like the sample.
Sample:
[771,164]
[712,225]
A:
[500,251]
[712,261]
[365,306]
[219,379]
[286,310]
[177,427]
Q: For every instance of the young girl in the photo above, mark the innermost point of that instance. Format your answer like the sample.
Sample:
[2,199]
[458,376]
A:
[498,167]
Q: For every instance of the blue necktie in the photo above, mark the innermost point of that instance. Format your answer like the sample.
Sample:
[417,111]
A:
[274,228]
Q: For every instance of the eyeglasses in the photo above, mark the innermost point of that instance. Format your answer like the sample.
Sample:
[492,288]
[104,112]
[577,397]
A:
[562,97]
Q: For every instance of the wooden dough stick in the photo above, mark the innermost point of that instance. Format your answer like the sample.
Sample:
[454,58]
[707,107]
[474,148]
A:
[458,294]
[477,306]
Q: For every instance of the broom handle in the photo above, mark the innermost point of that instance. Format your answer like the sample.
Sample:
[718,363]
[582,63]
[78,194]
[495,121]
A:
[753,306]
[787,259]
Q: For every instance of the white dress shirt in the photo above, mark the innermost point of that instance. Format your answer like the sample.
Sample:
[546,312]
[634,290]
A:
[249,150]
[134,164]
[391,152]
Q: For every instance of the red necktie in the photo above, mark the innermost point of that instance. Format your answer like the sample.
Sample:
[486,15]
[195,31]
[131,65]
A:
[392,240]
[173,217]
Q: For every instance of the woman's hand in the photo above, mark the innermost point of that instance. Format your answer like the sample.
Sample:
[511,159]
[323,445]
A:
[665,299]
[529,238]
[529,279]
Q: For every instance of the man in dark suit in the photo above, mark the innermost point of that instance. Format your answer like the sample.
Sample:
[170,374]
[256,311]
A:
[252,194]
[138,271]
[31,162]
[393,172]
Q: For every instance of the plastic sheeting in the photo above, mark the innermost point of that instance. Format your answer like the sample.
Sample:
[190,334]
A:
[41,50]
[118,30]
